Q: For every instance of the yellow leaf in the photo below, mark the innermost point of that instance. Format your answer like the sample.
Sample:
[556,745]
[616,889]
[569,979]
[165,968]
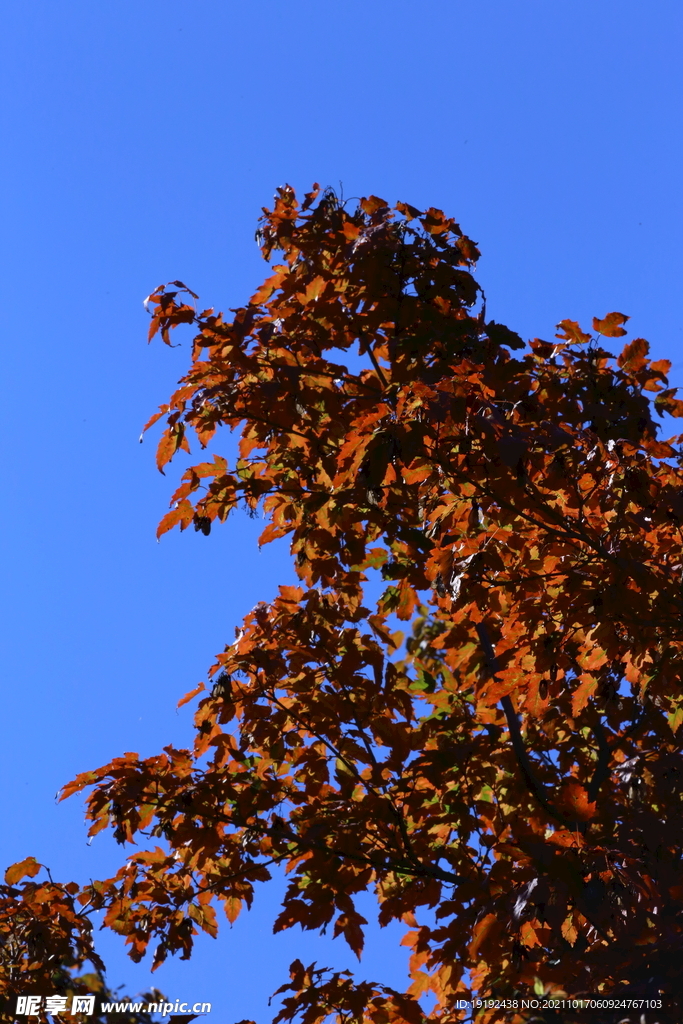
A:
[569,931]
[675,718]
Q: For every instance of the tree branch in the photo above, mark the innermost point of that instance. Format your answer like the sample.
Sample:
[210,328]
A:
[534,786]
[601,773]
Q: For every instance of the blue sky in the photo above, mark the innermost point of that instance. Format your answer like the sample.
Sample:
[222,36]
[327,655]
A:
[140,141]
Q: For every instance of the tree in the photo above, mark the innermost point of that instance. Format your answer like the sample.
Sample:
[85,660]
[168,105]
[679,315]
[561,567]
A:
[470,705]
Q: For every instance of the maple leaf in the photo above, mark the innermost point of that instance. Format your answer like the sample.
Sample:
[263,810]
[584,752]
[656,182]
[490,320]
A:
[570,331]
[575,803]
[610,325]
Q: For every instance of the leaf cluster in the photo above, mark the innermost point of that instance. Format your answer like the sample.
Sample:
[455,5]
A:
[505,774]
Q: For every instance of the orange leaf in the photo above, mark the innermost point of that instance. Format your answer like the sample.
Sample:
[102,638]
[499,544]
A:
[583,693]
[163,409]
[190,694]
[572,332]
[269,286]
[166,449]
[574,801]
[611,327]
[351,231]
[313,290]
[659,449]
[421,984]
[375,558]
[232,906]
[468,248]
[181,515]
[407,600]
[665,402]
[563,837]
[372,204]
[310,197]
[485,929]
[77,784]
[205,917]
[408,211]
[633,356]
[21,869]
[528,935]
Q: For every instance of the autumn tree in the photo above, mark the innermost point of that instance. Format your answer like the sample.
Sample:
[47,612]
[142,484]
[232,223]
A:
[470,704]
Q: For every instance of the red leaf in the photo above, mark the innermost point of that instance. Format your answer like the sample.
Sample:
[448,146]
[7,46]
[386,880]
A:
[574,802]
[350,926]
[633,358]
[310,197]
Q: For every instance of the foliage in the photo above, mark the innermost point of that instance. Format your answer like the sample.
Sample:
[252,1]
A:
[46,938]
[507,777]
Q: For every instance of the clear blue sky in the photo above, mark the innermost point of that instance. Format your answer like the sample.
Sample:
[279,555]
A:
[139,141]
